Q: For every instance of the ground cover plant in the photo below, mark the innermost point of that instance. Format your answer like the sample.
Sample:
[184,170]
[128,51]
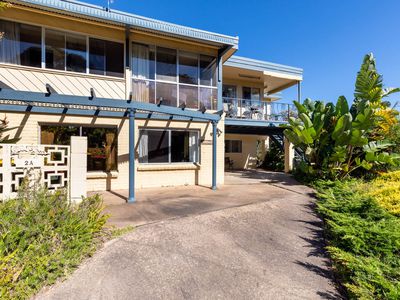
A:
[43,237]
[363,239]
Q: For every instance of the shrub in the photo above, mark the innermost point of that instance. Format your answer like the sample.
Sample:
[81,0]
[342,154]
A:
[386,190]
[274,159]
[44,237]
[364,240]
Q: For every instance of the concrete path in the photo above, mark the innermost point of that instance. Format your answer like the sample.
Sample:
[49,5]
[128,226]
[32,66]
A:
[265,245]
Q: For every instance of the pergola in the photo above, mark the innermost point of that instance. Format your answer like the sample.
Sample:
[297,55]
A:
[53,103]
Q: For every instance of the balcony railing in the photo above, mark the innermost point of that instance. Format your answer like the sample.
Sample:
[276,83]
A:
[258,110]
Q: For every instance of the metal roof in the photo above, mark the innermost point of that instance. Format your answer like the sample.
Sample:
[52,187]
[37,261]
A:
[259,65]
[98,13]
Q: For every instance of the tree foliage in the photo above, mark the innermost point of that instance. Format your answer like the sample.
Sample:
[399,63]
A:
[3,129]
[338,139]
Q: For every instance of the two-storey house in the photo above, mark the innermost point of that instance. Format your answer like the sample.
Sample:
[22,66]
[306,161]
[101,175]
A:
[160,104]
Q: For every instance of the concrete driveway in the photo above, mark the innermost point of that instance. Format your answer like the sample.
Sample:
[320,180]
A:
[255,238]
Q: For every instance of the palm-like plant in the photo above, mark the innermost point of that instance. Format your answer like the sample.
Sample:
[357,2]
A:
[338,139]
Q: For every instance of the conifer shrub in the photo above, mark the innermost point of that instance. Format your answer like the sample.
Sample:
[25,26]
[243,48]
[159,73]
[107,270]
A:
[363,238]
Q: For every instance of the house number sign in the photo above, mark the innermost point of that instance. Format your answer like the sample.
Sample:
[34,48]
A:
[27,156]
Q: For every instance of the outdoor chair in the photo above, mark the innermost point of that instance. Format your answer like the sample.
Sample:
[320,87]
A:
[229,163]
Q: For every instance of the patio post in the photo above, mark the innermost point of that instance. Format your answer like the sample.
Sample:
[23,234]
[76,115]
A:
[214,156]
[131,198]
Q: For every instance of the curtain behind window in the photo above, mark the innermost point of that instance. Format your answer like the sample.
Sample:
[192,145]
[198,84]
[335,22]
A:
[141,71]
[193,146]
[9,42]
[143,147]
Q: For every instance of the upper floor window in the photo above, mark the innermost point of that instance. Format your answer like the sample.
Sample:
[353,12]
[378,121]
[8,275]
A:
[20,44]
[65,51]
[251,93]
[174,77]
[106,58]
[229,91]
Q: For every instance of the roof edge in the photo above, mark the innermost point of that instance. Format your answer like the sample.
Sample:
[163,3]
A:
[90,11]
[259,65]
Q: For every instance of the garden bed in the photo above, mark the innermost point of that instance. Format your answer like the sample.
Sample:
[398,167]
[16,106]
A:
[363,232]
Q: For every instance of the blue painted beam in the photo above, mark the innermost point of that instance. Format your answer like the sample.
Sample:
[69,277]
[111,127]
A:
[32,97]
[131,198]
[90,112]
[214,156]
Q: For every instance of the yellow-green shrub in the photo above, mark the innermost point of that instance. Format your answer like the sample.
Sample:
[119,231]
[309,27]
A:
[386,191]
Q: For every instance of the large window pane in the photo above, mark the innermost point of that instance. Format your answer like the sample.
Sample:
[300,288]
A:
[58,135]
[114,59]
[102,148]
[102,143]
[189,95]
[76,53]
[55,49]
[168,146]
[106,58]
[229,91]
[143,91]
[188,68]
[208,67]
[20,44]
[208,98]
[143,61]
[167,93]
[180,146]
[250,93]
[97,57]
[155,146]
[166,64]
[31,42]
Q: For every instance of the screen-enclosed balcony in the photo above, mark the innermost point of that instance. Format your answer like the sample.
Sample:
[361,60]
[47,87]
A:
[247,109]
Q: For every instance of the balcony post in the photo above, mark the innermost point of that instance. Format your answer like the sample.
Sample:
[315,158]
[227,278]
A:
[298,91]
[128,74]
[214,155]
[131,198]
[219,82]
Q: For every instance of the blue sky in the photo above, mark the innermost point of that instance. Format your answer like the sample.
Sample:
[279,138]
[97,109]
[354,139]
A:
[328,39]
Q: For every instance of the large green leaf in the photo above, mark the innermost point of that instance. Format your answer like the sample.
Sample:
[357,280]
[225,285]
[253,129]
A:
[342,106]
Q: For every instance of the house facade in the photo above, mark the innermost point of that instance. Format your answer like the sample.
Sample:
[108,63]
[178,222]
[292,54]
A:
[160,104]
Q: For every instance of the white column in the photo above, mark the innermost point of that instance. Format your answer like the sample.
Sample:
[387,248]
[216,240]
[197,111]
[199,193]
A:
[78,168]
[289,155]
[6,172]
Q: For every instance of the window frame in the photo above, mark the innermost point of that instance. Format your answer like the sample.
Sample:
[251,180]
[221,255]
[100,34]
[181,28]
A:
[169,130]
[176,82]
[72,32]
[229,146]
[80,129]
